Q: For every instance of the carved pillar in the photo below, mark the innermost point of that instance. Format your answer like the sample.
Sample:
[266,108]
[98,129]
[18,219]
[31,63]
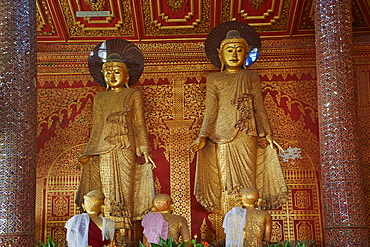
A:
[18,122]
[342,192]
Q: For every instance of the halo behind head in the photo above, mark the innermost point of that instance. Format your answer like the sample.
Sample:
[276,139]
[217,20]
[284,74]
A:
[128,52]
[219,33]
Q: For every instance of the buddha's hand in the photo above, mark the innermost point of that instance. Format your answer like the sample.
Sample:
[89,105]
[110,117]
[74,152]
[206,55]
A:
[82,161]
[273,143]
[149,160]
[198,144]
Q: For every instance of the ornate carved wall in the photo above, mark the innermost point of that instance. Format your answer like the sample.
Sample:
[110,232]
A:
[173,84]
[171,35]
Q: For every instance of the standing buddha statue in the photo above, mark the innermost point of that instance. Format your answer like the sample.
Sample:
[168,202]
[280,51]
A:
[118,138]
[229,157]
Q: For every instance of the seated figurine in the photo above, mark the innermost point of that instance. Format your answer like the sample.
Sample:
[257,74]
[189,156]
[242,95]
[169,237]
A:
[90,229]
[247,226]
[162,223]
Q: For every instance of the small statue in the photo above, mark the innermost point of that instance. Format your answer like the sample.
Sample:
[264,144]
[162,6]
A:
[162,223]
[90,229]
[119,136]
[229,157]
[247,226]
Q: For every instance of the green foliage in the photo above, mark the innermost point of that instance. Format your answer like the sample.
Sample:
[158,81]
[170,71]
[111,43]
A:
[288,244]
[171,243]
[49,243]
[194,243]
[165,243]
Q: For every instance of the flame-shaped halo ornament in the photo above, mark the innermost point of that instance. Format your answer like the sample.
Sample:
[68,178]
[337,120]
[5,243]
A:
[218,33]
[129,52]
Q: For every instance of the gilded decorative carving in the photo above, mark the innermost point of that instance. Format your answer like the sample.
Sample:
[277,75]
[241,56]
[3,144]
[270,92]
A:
[304,230]
[60,206]
[302,199]
[171,18]
[43,18]
[277,231]
[172,133]
[185,18]
[119,23]
[358,18]
[40,18]
[274,16]
[257,3]
[275,8]
[175,5]
[95,5]
[174,103]
[194,21]
[308,15]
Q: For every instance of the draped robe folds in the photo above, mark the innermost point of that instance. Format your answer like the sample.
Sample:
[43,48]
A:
[118,137]
[234,119]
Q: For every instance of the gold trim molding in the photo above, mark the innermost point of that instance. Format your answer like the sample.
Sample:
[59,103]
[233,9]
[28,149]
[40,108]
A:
[186,18]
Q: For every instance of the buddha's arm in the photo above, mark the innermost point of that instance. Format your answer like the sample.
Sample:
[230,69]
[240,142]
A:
[262,120]
[268,228]
[211,110]
[184,232]
[139,124]
[97,128]
[209,119]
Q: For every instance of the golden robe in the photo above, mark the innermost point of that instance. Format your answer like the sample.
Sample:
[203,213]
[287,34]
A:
[254,230]
[118,137]
[234,118]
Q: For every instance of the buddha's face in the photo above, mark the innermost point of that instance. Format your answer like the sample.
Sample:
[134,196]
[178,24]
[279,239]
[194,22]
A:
[233,56]
[93,205]
[115,76]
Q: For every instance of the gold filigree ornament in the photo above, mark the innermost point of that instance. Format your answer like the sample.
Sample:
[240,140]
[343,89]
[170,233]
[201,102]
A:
[175,5]
[95,5]
[256,4]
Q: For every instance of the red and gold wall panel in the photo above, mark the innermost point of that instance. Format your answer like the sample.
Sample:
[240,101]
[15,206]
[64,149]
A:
[171,35]
[173,84]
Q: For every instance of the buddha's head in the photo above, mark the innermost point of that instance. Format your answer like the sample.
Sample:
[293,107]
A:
[115,72]
[93,202]
[162,203]
[233,52]
[249,196]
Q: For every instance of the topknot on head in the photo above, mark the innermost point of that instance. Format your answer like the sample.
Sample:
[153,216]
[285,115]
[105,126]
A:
[233,36]
[114,59]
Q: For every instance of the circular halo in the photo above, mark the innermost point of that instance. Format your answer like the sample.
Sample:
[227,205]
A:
[218,34]
[130,53]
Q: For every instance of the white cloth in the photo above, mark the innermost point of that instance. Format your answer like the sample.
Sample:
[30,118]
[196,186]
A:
[233,224]
[78,230]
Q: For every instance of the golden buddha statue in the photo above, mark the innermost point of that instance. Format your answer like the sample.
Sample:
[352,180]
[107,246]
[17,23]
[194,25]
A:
[90,228]
[118,137]
[162,223]
[247,226]
[229,157]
